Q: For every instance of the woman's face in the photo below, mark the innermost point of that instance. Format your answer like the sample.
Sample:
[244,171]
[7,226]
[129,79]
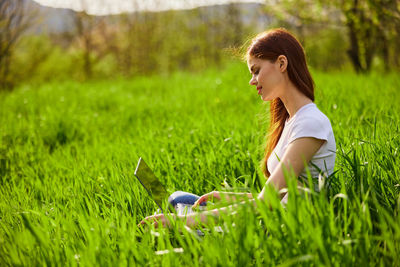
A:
[267,77]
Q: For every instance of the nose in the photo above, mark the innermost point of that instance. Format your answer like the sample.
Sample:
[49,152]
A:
[253,81]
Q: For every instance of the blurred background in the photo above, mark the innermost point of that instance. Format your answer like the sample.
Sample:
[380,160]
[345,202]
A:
[45,40]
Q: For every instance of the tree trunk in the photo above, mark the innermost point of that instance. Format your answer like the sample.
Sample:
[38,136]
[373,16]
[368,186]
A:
[362,34]
[353,51]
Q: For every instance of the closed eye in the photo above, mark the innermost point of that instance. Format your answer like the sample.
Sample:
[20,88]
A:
[254,70]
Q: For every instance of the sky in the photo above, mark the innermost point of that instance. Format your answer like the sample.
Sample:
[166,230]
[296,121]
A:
[105,7]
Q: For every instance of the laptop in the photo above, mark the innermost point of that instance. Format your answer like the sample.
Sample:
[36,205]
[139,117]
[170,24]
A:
[156,190]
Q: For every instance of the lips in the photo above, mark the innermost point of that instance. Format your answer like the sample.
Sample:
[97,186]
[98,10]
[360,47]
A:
[259,88]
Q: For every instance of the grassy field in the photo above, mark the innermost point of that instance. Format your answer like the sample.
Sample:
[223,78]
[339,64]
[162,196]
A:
[68,152]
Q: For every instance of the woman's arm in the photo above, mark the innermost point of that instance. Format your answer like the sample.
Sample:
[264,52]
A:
[296,156]
[204,217]
[192,219]
[229,197]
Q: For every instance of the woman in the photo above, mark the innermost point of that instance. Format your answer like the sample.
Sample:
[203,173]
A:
[300,135]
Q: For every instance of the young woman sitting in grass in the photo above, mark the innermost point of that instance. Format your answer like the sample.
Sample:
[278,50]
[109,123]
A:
[300,136]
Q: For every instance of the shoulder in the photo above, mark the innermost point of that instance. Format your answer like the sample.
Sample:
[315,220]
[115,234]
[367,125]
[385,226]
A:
[312,117]
[313,114]
[311,122]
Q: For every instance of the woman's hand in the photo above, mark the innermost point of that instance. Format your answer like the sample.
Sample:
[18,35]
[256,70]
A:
[209,196]
[158,220]
[229,197]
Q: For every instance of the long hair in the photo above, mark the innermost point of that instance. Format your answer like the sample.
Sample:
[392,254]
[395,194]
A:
[270,45]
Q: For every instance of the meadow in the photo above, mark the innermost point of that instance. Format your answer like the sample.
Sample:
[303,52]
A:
[68,151]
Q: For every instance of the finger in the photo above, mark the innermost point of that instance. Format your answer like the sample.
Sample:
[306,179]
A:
[140,229]
[160,222]
[195,204]
[216,195]
[143,222]
[198,202]
[148,220]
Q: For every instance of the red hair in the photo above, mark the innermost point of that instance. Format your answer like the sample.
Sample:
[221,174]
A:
[269,46]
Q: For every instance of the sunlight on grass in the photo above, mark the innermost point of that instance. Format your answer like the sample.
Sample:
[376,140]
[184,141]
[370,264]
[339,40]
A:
[68,153]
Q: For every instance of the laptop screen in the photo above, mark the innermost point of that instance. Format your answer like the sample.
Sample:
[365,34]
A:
[151,183]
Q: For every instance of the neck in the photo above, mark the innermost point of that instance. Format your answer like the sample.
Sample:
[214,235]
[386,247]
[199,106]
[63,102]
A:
[293,99]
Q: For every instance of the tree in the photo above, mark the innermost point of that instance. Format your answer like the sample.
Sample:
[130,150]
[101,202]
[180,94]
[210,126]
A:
[95,38]
[387,18]
[373,26]
[302,15]
[363,33]
[16,17]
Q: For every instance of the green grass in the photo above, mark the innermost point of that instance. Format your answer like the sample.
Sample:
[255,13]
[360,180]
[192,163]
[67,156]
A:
[68,152]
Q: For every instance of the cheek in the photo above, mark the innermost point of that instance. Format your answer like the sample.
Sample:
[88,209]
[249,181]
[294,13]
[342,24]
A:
[277,79]
[271,79]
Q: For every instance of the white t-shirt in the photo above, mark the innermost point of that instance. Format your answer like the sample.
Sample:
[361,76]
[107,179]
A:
[308,121]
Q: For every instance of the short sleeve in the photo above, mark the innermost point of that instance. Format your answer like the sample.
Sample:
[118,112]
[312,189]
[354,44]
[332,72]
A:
[317,127]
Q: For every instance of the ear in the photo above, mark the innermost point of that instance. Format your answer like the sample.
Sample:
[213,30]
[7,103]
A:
[282,63]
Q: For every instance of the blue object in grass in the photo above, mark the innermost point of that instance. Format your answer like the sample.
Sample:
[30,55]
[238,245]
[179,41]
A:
[184,198]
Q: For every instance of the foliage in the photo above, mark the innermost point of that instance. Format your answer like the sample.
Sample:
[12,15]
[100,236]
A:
[371,26]
[335,34]
[15,20]
[68,152]
[130,45]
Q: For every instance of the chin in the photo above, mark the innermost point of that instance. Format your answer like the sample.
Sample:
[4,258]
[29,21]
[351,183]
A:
[268,98]
[265,98]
